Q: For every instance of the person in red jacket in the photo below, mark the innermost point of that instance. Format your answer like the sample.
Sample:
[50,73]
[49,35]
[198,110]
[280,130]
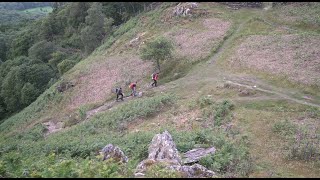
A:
[155,77]
[133,86]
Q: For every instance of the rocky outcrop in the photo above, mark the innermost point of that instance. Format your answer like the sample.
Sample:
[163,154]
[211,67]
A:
[195,155]
[163,150]
[184,9]
[114,152]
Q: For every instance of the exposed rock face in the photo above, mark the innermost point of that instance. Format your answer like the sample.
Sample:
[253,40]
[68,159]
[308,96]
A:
[195,155]
[163,150]
[163,147]
[184,9]
[114,152]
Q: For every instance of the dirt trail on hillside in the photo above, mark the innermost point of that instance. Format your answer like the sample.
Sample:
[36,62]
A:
[112,103]
[270,89]
[212,73]
[279,94]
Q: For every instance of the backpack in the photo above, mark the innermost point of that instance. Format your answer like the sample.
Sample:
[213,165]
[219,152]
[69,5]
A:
[117,90]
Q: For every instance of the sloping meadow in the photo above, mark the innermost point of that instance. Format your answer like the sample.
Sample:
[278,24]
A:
[296,56]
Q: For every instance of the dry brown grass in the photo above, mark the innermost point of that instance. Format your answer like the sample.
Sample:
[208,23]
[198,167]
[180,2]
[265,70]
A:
[96,86]
[198,43]
[296,56]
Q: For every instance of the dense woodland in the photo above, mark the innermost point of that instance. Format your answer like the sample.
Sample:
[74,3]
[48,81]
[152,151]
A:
[35,53]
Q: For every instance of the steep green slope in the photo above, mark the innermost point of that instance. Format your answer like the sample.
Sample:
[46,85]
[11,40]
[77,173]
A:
[202,100]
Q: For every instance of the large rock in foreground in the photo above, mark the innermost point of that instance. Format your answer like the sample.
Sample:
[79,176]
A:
[163,150]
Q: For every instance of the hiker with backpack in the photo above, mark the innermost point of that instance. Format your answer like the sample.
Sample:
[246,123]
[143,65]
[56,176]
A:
[155,78]
[133,86]
[119,93]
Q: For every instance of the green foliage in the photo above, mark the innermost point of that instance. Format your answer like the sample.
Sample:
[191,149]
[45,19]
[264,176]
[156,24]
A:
[220,113]
[39,75]
[35,133]
[23,83]
[11,89]
[130,24]
[160,171]
[284,128]
[82,113]
[72,145]
[65,66]
[3,47]
[304,146]
[6,66]
[301,143]
[204,101]
[21,44]
[28,94]
[22,5]
[42,50]
[133,110]
[70,29]
[108,25]
[74,41]
[93,33]
[48,28]
[158,50]
[56,58]
[232,152]
[2,169]
[303,15]
[77,12]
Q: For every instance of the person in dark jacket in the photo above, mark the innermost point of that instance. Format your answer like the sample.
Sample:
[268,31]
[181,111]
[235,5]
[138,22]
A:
[119,93]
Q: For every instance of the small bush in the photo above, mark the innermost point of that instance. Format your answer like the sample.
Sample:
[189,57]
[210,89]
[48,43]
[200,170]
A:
[65,66]
[28,94]
[284,128]
[160,171]
[205,101]
[220,113]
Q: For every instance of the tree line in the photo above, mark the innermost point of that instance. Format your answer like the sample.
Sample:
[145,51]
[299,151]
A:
[23,5]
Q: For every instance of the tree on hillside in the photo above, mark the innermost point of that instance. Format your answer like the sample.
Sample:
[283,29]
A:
[77,13]
[3,48]
[23,83]
[93,33]
[21,44]
[28,94]
[48,27]
[42,50]
[10,90]
[158,50]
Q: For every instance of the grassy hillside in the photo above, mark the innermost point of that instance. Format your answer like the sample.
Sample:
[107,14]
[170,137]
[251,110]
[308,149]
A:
[243,81]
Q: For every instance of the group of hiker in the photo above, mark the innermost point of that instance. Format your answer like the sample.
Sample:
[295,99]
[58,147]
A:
[133,87]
